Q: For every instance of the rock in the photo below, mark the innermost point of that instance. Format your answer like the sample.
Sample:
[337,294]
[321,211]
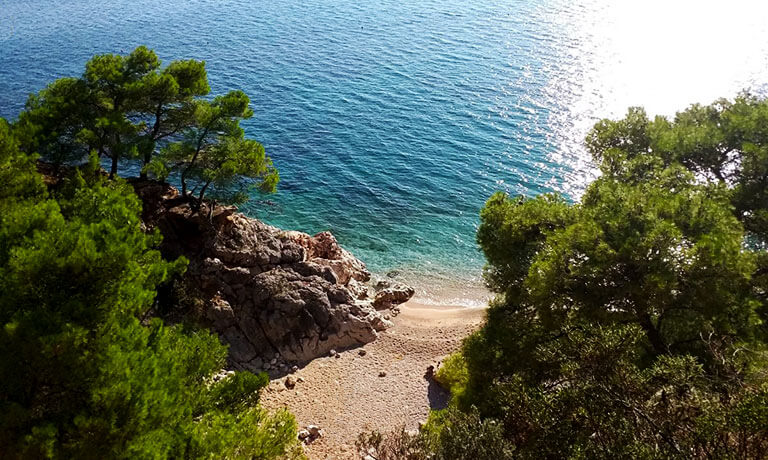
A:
[290,382]
[222,374]
[294,369]
[314,431]
[430,372]
[300,379]
[362,352]
[388,295]
[303,434]
[359,290]
[272,296]
[323,249]
[382,374]
[332,353]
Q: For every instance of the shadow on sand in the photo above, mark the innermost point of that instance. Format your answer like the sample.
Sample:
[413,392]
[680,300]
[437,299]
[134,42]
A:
[437,395]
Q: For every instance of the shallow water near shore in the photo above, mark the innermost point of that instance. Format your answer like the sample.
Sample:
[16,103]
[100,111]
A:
[392,122]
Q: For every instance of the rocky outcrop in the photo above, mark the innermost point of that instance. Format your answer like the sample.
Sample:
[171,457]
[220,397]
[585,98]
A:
[274,296]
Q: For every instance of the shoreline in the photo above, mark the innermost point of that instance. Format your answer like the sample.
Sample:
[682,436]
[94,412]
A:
[441,290]
[345,395]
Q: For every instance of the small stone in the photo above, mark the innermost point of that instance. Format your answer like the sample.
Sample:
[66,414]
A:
[303,434]
[382,374]
[314,431]
[332,353]
[273,361]
[300,379]
[267,366]
[337,355]
[387,317]
[295,369]
[362,352]
[290,382]
[277,355]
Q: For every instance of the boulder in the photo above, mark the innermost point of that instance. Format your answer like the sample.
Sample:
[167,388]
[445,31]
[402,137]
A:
[323,249]
[389,295]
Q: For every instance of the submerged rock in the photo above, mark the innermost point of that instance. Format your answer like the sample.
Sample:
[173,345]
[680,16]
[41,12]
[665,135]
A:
[269,294]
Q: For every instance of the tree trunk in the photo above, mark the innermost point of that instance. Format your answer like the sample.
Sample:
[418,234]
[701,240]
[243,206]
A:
[151,149]
[654,336]
[113,169]
[200,198]
[183,183]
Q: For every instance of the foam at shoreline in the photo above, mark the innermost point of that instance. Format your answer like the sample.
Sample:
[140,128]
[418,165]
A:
[442,287]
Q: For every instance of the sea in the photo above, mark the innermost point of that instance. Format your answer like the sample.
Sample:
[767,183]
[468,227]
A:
[392,121]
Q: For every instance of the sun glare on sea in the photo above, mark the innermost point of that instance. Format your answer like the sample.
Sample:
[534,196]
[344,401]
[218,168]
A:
[663,55]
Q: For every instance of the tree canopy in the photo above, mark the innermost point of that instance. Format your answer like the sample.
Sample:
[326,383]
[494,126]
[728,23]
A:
[129,107]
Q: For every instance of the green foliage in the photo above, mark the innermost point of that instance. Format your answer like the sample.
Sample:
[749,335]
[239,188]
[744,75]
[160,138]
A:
[128,107]
[85,373]
[630,324]
[449,435]
[453,374]
[215,151]
[54,121]
[513,231]
[725,142]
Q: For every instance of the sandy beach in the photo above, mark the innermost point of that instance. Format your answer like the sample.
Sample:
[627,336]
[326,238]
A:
[346,395]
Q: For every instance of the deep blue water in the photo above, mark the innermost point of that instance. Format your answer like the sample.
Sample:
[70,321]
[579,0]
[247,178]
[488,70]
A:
[392,122]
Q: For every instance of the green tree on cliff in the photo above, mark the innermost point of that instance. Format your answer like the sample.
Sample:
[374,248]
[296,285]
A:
[127,107]
[85,373]
[215,150]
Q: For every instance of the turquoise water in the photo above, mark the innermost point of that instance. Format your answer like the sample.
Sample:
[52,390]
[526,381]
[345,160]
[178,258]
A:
[391,122]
